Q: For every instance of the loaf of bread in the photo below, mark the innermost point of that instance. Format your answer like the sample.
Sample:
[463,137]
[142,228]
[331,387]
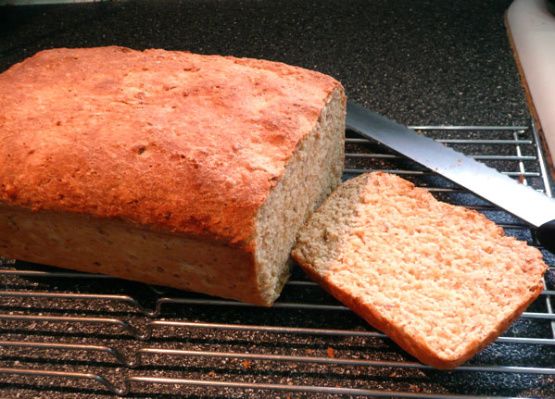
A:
[441,280]
[167,167]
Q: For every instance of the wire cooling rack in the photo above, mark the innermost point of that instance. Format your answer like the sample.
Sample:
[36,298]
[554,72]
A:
[67,334]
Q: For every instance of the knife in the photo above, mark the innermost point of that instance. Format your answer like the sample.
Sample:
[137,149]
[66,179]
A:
[522,201]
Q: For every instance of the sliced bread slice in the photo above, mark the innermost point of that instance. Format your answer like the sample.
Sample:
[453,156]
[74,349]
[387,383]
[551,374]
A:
[442,281]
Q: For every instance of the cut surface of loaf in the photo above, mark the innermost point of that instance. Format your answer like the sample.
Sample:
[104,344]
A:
[168,167]
[441,280]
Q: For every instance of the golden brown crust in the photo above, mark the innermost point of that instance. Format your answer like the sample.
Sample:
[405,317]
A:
[87,131]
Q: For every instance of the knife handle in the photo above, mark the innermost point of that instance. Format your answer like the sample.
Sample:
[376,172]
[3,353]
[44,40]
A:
[546,235]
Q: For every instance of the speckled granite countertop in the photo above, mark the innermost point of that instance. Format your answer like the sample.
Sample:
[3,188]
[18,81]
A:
[421,62]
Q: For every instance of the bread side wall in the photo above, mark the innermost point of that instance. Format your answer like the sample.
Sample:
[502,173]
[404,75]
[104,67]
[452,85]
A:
[117,248]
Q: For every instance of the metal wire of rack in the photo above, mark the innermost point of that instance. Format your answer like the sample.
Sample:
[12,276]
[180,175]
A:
[74,333]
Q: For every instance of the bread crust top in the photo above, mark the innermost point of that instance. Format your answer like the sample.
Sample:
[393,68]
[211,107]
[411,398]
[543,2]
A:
[169,140]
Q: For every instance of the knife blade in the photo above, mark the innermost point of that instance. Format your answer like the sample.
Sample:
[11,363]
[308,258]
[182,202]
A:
[522,201]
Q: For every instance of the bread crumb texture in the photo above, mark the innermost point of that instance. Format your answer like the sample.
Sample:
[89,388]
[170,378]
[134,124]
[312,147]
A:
[441,280]
[168,139]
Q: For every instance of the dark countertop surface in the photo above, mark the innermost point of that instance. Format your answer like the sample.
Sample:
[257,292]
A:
[422,62]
